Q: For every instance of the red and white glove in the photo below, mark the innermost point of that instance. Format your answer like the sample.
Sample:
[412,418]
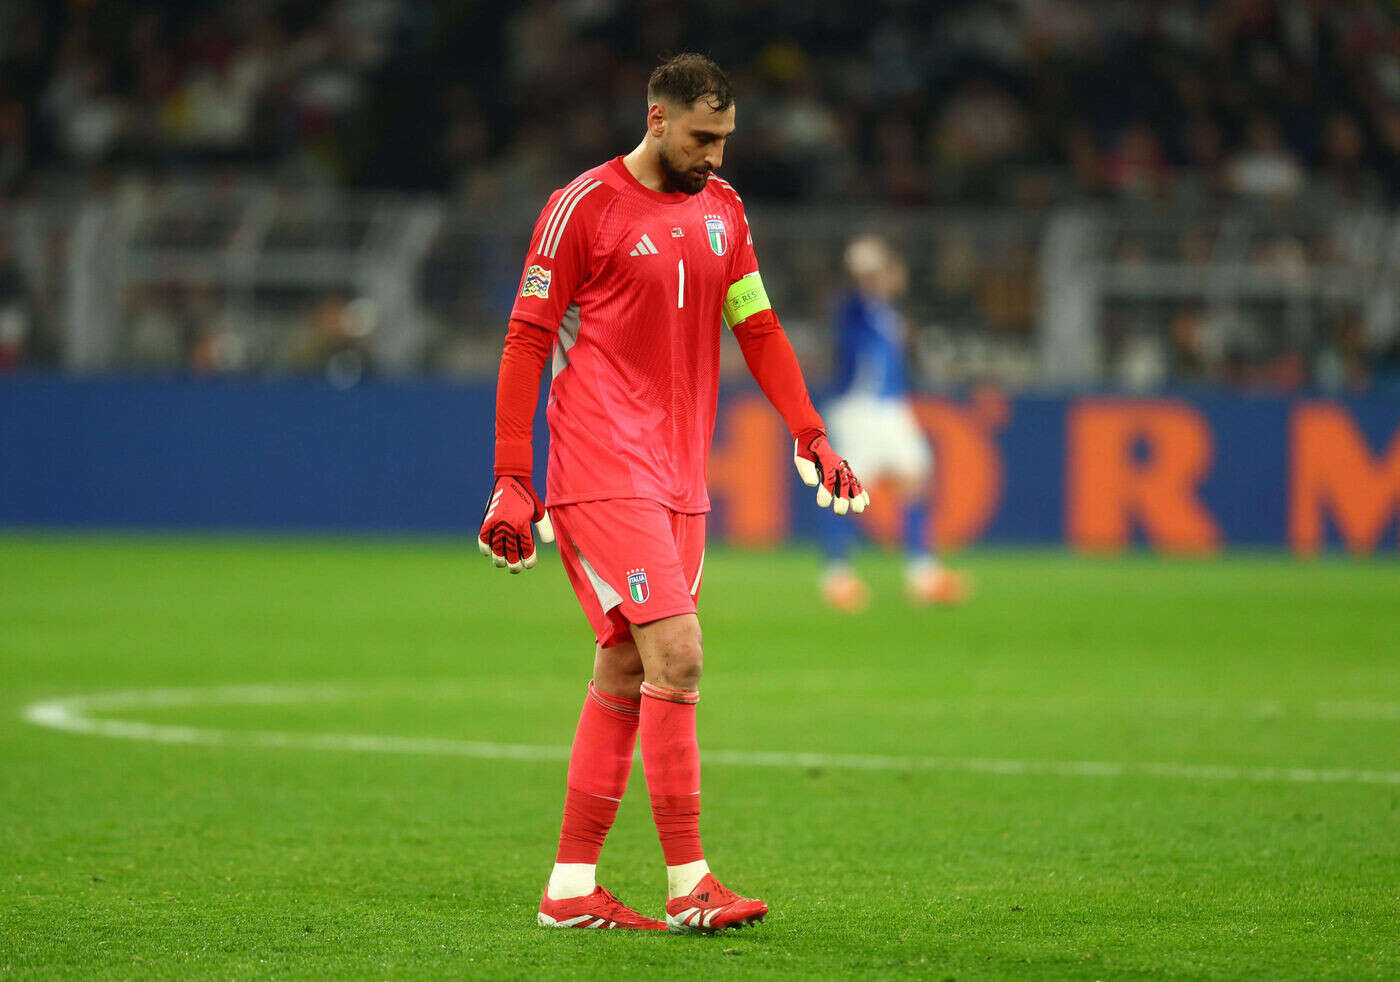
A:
[505,528]
[822,468]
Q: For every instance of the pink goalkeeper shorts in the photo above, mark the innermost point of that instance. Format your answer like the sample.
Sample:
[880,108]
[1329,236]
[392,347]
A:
[630,561]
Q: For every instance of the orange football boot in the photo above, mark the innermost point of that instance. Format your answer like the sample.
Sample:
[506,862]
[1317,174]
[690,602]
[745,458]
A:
[937,586]
[843,590]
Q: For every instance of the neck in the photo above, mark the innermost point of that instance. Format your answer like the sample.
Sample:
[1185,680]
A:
[644,163]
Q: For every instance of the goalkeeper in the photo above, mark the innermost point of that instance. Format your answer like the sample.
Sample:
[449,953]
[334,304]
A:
[633,270]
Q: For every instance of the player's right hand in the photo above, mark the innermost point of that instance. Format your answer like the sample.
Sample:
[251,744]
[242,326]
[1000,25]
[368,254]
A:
[823,468]
[505,528]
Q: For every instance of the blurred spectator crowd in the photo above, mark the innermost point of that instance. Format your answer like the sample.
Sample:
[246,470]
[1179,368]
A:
[94,89]
[1176,108]
[904,102]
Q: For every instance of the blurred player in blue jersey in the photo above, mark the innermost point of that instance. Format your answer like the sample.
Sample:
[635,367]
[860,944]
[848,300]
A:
[870,416]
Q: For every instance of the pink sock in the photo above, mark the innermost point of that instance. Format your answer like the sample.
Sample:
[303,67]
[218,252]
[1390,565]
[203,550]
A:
[671,759]
[598,767]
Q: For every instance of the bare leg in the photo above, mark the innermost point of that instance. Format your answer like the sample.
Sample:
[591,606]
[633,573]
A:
[670,651]
[617,671]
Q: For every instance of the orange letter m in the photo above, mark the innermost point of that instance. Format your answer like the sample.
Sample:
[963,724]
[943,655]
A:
[1333,470]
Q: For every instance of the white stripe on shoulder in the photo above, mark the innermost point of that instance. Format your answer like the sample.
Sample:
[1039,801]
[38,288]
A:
[559,206]
[552,245]
[726,184]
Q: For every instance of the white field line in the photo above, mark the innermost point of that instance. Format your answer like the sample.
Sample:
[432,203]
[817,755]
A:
[1359,710]
[74,715]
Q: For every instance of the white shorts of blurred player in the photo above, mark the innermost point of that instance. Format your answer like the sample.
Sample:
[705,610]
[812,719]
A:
[879,438]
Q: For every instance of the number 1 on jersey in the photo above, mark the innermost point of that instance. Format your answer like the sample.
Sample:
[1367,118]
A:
[680,284]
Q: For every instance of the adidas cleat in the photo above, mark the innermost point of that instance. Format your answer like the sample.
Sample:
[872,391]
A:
[710,908]
[598,910]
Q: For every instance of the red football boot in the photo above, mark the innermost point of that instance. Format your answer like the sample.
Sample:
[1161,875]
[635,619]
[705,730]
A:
[710,908]
[598,909]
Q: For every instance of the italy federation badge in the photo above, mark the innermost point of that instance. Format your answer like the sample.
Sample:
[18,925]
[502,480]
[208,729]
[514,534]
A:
[719,239]
[637,585]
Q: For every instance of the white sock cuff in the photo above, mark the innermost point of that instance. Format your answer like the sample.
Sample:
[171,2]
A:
[680,880]
[572,880]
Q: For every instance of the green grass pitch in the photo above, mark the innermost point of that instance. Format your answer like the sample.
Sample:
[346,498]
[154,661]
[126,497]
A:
[1247,823]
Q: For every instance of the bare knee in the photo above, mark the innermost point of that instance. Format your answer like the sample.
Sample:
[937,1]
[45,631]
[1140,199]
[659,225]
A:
[681,663]
[617,671]
[672,654]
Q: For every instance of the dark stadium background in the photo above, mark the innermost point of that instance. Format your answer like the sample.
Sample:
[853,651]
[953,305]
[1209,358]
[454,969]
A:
[1181,200]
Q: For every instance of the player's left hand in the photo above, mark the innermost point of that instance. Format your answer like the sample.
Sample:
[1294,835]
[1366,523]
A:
[505,528]
[822,468]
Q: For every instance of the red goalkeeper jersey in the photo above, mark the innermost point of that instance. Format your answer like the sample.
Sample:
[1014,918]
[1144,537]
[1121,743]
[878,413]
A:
[633,281]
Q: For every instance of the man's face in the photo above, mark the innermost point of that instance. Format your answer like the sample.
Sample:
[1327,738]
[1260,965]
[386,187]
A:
[691,144]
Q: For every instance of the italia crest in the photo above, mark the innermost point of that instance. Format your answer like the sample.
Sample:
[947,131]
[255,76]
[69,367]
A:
[637,585]
[719,238]
[536,283]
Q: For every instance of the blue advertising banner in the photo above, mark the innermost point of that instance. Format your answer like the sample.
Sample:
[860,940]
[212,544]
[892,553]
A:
[1188,473]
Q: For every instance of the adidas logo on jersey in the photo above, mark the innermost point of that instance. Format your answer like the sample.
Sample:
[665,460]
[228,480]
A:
[644,247]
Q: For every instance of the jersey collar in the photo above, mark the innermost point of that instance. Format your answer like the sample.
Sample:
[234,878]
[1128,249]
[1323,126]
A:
[670,197]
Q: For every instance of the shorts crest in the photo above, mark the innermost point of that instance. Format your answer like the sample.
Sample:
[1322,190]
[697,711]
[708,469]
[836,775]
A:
[637,585]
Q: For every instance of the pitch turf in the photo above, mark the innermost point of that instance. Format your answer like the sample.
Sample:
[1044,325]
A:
[130,857]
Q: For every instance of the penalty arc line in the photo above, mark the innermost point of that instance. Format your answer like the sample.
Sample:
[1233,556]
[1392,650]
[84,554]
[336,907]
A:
[73,715]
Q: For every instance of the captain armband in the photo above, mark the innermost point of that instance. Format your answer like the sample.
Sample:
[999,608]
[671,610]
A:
[746,297]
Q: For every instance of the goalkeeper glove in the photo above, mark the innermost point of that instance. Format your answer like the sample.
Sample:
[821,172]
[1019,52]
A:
[822,468]
[505,528]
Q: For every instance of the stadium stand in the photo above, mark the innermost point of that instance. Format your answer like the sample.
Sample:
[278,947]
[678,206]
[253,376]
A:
[1124,195]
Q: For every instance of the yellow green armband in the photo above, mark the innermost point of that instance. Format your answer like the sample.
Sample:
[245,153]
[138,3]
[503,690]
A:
[746,297]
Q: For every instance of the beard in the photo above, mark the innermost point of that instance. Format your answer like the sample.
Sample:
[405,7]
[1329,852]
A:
[687,181]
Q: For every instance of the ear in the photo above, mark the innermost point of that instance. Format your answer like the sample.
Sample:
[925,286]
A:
[656,119]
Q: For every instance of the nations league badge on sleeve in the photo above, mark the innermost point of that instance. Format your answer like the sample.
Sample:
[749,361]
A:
[536,283]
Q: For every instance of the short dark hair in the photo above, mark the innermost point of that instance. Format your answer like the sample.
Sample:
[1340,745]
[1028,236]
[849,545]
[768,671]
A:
[683,79]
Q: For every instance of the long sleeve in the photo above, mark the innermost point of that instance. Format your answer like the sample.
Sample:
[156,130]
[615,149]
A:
[526,350]
[773,363]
